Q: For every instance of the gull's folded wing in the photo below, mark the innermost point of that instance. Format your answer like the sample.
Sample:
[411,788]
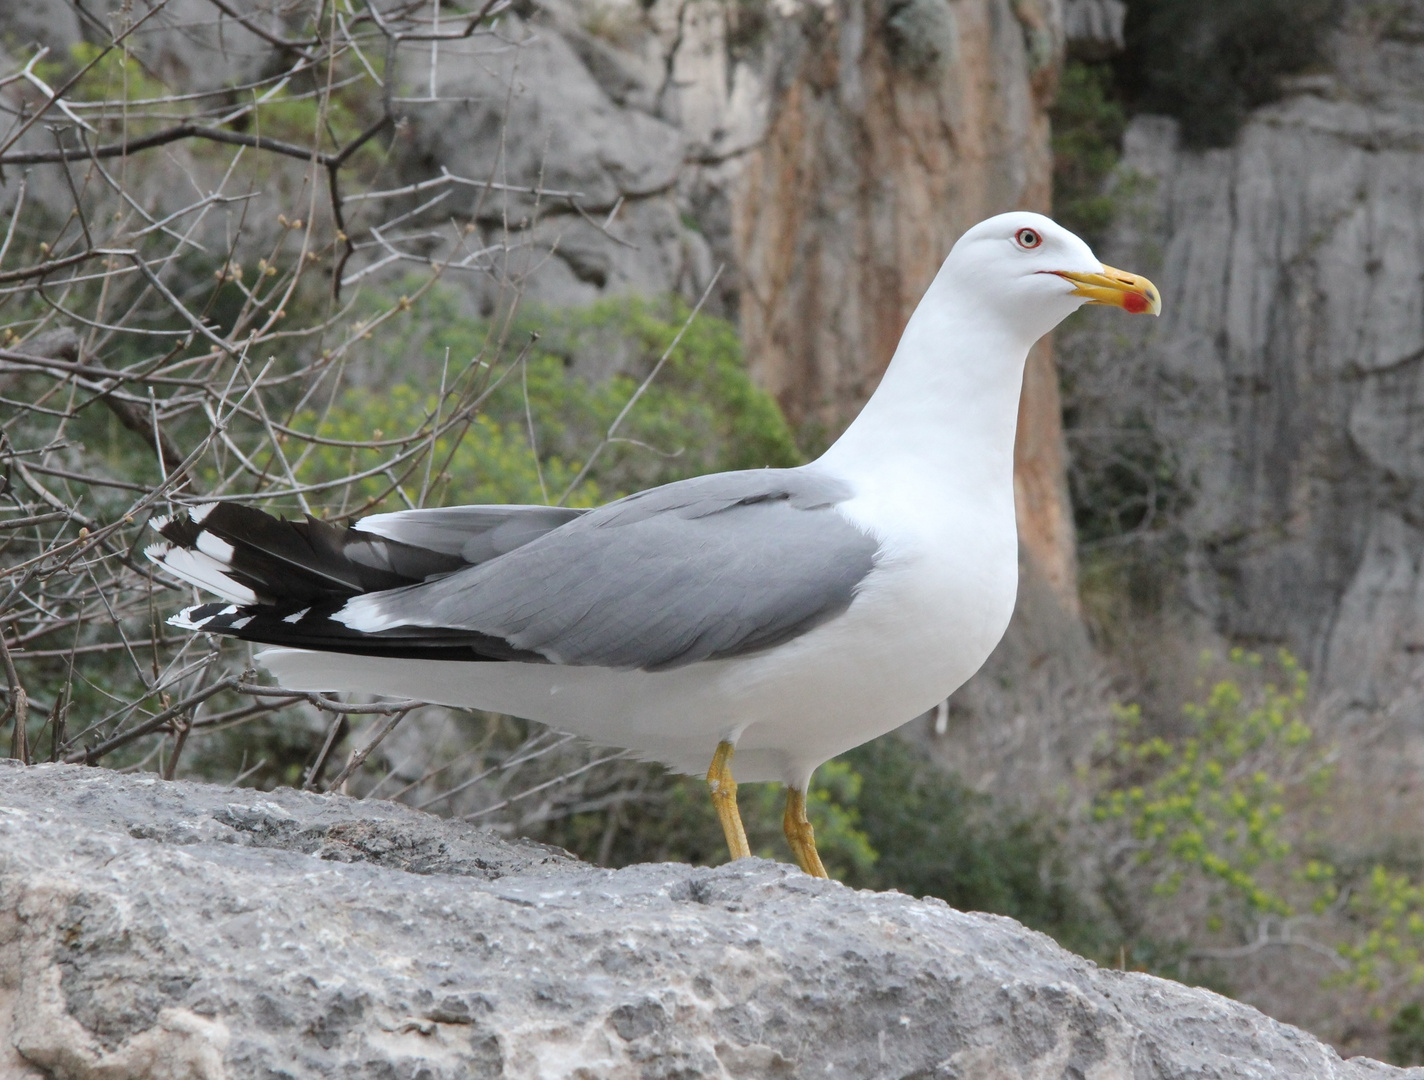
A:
[705,568]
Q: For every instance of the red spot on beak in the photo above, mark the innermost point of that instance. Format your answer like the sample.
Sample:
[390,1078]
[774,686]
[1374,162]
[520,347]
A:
[1134,304]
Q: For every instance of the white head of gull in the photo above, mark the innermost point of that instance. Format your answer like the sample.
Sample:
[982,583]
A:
[786,615]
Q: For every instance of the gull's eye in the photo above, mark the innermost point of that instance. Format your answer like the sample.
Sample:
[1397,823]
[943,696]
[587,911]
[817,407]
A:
[1028,239]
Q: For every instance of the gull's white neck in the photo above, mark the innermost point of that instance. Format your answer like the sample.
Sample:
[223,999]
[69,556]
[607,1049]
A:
[942,422]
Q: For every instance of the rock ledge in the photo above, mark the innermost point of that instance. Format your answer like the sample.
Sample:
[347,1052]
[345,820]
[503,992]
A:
[181,931]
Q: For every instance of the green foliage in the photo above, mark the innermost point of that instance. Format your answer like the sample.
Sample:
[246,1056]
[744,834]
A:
[1088,122]
[1207,62]
[703,402]
[1231,810]
[482,460]
[1406,1035]
[115,74]
[1390,905]
[834,806]
[1124,482]
[1209,806]
[538,420]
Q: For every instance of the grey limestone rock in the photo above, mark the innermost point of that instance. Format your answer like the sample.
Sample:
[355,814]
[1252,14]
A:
[1284,379]
[193,932]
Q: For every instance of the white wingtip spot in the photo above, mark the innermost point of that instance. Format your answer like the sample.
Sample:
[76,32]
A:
[159,522]
[184,620]
[216,546]
[295,617]
[157,552]
[364,615]
[199,513]
[238,624]
[386,526]
[206,572]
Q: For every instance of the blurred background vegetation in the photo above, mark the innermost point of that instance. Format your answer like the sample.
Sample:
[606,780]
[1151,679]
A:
[1208,63]
[1205,63]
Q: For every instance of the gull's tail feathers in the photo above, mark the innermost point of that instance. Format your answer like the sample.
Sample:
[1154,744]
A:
[281,582]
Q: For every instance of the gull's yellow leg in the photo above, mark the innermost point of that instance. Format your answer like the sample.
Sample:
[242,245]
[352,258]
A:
[724,798]
[800,835]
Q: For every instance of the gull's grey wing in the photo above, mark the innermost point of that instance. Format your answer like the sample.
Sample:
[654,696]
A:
[473,533]
[711,567]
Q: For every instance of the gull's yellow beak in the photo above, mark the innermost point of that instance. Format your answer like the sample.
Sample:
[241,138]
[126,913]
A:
[1118,288]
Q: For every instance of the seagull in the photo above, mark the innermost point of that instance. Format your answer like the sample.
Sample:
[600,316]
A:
[784,615]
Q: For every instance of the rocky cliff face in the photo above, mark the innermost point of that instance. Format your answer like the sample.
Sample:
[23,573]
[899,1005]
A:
[1284,378]
[173,931]
[893,129]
